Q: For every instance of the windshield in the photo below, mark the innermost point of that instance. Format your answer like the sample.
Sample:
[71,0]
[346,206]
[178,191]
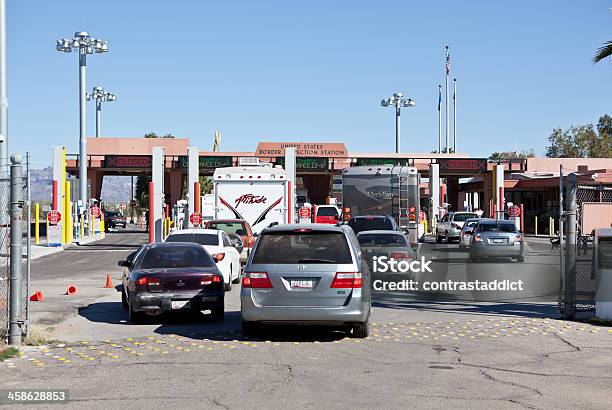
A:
[187,256]
[112,214]
[302,247]
[200,238]
[235,228]
[463,217]
[382,240]
[501,227]
[370,224]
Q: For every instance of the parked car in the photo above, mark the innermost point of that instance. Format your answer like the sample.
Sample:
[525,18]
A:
[306,274]
[465,236]
[496,238]
[114,219]
[326,214]
[162,277]
[238,227]
[449,227]
[372,223]
[225,251]
[390,244]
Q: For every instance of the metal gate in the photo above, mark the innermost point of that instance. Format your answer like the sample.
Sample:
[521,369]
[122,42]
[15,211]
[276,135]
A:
[5,235]
[583,286]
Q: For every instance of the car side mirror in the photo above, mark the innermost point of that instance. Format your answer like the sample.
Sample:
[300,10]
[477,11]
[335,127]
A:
[123,263]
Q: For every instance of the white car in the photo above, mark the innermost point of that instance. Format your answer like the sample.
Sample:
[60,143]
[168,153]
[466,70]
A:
[449,227]
[218,243]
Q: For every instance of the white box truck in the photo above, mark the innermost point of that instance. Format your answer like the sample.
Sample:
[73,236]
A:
[257,194]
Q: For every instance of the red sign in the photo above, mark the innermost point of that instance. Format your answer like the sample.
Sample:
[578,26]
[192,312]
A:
[195,219]
[304,212]
[54,217]
[514,211]
[95,212]
[127,161]
[453,165]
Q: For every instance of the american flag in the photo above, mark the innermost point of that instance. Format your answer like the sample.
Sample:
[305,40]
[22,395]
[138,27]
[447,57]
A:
[439,96]
[453,99]
[447,64]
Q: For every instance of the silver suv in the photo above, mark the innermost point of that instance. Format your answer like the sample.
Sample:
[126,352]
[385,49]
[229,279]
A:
[308,274]
[449,227]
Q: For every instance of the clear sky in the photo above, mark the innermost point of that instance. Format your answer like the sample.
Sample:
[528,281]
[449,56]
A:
[309,71]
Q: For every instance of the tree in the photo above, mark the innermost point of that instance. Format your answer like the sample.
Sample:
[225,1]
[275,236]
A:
[583,141]
[496,156]
[500,156]
[603,52]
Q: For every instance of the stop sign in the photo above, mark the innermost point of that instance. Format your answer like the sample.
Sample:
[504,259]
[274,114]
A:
[95,212]
[305,212]
[54,217]
[195,219]
[514,211]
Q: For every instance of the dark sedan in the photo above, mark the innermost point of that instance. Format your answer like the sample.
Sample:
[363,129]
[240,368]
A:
[171,276]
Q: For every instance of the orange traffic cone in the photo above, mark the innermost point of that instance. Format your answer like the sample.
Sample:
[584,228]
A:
[109,282]
[71,290]
[37,297]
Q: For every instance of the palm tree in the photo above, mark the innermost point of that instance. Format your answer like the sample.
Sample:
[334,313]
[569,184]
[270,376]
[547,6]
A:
[496,156]
[604,51]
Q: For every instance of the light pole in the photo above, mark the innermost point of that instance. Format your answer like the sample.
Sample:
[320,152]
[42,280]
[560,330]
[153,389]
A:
[100,96]
[398,102]
[84,44]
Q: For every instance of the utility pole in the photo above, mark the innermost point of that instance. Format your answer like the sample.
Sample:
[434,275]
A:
[3,95]
[570,260]
[398,102]
[16,279]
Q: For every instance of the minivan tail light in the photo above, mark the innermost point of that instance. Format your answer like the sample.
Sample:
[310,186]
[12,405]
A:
[477,238]
[518,237]
[218,257]
[256,280]
[347,280]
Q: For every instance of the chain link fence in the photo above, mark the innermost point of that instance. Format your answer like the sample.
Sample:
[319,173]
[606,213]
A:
[5,244]
[584,285]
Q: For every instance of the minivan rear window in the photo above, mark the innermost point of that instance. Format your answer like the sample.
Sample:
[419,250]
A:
[370,224]
[302,247]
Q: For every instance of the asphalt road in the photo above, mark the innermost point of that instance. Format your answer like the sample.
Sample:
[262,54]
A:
[462,350]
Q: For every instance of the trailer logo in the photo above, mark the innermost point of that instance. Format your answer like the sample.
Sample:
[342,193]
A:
[250,199]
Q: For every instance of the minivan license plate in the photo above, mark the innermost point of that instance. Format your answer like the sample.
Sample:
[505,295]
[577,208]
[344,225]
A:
[301,284]
[498,240]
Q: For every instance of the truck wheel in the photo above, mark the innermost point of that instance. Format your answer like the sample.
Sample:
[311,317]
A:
[228,286]
[361,330]
[520,259]
[250,329]
[133,316]
[217,313]
[438,238]
[124,301]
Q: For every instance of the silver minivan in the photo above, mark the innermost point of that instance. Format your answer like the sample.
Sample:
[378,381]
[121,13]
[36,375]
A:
[306,274]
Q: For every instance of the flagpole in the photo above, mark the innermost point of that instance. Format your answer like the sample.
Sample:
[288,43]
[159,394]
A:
[439,119]
[455,115]
[446,65]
